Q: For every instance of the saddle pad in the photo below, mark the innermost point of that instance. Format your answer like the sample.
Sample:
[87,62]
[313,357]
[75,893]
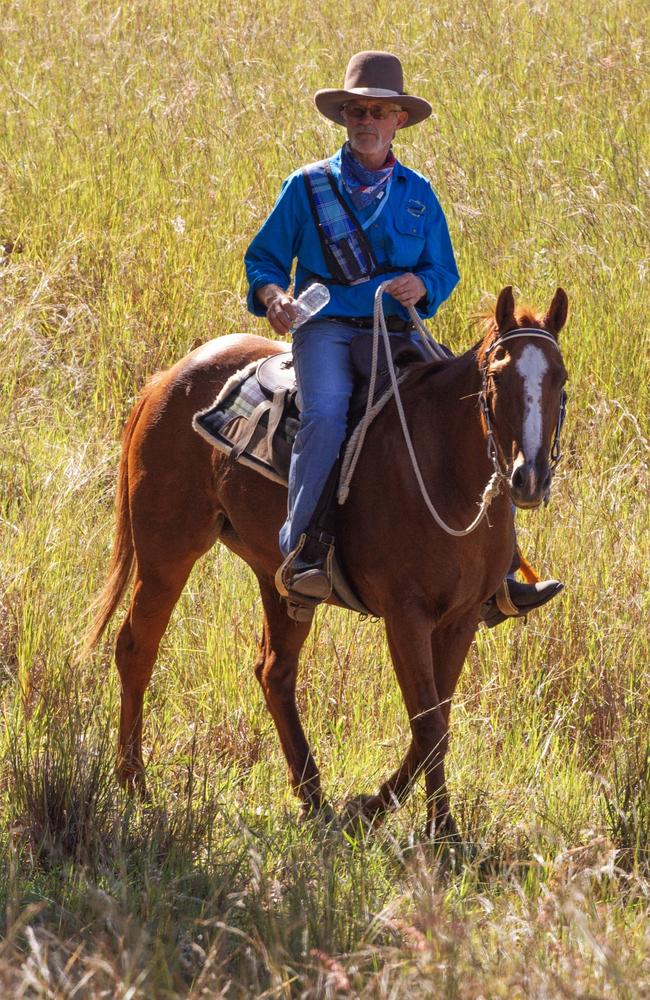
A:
[257,429]
[251,428]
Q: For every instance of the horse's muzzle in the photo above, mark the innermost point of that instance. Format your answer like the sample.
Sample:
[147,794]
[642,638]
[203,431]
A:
[529,481]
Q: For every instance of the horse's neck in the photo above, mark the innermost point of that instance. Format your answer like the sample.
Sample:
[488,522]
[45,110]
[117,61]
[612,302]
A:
[443,409]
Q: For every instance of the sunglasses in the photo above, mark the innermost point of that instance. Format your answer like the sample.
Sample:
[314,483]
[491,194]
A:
[378,111]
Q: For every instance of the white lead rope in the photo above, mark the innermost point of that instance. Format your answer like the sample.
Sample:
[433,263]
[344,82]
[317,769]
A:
[436,352]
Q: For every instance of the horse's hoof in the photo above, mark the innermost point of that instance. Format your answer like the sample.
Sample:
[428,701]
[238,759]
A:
[360,815]
[323,815]
[444,833]
[134,784]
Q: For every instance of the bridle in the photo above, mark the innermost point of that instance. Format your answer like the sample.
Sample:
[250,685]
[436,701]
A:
[493,449]
[436,352]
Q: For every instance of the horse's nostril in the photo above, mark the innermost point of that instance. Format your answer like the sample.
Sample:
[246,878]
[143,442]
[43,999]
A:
[518,477]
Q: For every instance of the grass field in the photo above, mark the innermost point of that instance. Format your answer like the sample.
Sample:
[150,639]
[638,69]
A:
[141,145]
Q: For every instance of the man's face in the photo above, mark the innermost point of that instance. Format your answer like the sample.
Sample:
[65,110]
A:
[370,136]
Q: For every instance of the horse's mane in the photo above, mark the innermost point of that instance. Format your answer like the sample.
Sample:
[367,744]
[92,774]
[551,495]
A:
[525,316]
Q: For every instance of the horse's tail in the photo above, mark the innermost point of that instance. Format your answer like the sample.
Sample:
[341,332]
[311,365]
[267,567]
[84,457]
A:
[123,557]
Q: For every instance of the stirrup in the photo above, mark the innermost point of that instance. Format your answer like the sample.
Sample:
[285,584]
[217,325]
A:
[299,608]
[516,600]
[305,584]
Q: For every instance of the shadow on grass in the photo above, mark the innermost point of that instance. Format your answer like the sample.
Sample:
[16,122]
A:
[182,895]
[175,890]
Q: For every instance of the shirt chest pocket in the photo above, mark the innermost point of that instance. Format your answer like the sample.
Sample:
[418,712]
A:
[409,236]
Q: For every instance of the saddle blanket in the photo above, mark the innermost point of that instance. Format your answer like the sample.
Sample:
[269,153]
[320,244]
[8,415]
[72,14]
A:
[252,426]
[255,418]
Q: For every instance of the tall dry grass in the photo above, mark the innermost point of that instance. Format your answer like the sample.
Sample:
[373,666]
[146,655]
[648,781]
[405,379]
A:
[140,147]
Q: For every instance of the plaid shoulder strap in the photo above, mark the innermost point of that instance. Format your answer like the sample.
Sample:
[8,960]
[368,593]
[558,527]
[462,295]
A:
[347,252]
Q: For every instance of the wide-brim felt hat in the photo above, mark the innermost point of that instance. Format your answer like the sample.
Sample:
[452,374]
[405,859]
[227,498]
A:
[376,75]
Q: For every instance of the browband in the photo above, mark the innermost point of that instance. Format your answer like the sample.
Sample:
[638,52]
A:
[523,331]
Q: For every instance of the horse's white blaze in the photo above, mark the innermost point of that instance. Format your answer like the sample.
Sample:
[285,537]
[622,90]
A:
[532,366]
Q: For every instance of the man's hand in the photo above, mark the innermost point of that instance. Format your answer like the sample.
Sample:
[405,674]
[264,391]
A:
[280,309]
[407,289]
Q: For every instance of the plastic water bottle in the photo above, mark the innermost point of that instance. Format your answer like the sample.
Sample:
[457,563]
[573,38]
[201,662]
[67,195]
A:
[309,303]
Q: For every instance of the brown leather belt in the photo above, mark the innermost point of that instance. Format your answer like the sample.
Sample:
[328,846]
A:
[394,324]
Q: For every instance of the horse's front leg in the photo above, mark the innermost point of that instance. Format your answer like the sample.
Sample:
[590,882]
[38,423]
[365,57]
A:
[409,640]
[449,648]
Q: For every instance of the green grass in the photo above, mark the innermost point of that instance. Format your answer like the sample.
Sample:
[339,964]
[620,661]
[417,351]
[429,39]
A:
[141,146]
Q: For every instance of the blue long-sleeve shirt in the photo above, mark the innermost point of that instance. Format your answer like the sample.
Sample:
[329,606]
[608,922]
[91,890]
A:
[410,234]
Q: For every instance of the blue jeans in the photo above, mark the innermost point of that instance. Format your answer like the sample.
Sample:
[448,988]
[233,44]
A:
[325,376]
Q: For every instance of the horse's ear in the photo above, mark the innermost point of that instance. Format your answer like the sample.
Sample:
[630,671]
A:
[504,312]
[557,312]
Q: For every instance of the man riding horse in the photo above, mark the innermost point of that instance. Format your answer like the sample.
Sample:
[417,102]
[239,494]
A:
[352,222]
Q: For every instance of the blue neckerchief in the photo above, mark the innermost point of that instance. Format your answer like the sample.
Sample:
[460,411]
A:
[380,207]
[363,185]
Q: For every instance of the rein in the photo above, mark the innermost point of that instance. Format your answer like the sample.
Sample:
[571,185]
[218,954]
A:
[494,484]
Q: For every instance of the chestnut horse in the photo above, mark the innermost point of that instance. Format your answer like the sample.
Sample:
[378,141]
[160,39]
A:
[176,496]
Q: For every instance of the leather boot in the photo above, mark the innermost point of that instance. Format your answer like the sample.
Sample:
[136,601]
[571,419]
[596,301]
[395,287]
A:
[514,600]
[305,576]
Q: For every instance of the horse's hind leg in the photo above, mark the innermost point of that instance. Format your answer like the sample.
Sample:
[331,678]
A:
[154,596]
[276,669]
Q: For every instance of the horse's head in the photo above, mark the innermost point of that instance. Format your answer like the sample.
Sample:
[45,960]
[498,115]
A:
[522,397]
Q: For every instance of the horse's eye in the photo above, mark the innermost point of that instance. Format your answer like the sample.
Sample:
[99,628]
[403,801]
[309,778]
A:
[499,354]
